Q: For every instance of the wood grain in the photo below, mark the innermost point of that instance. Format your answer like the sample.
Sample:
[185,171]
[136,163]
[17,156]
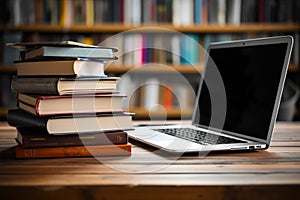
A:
[152,174]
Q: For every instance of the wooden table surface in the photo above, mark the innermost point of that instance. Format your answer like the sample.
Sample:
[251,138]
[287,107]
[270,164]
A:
[151,174]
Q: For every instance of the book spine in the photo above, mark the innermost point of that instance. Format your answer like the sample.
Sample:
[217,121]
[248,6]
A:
[46,140]
[75,151]
[18,118]
[90,13]
[35,85]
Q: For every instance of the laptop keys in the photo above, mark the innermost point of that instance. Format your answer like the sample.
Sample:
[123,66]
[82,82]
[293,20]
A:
[198,136]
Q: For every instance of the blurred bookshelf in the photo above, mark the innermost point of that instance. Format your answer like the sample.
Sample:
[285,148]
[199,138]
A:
[93,21]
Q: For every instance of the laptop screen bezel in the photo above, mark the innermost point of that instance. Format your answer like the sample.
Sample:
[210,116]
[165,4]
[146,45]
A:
[245,43]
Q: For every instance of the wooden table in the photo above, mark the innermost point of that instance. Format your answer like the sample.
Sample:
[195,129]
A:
[150,174]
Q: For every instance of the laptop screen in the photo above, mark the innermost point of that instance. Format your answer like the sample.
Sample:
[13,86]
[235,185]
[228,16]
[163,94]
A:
[251,77]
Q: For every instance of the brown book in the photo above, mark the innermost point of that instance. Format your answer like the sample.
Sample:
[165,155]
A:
[29,138]
[74,151]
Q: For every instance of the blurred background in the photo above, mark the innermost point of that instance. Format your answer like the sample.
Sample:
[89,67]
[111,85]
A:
[151,59]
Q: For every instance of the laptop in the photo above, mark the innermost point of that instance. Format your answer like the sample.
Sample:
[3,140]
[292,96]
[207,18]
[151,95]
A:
[237,101]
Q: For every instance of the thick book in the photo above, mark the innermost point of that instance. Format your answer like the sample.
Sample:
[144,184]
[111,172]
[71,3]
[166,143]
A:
[71,124]
[78,68]
[42,105]
[63,86]
[30,138]
[74,151]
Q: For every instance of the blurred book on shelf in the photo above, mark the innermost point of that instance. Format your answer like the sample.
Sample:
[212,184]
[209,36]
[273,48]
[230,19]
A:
[136,12]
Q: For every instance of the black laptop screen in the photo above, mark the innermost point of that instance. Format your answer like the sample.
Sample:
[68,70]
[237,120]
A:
[251,76]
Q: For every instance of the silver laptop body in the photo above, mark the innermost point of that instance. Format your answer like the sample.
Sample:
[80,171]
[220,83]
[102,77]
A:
[243,106]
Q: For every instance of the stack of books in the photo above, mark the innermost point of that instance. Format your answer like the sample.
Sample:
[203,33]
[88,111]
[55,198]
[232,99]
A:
[67,106]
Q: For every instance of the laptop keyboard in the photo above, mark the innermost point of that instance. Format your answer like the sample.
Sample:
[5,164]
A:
[198,136]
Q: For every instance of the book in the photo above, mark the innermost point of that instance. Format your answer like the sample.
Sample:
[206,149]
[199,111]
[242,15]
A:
[78,68]
[34,45]
[30,137]
[63,49]
[221,16]
[63,86]
[42,105]
[71,124]
[234,11]
[74,151]
[151,94]
[69,52]
[186,12]
[198,11]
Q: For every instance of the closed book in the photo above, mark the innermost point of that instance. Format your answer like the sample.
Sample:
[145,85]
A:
[63,86]
[71,124]
[30,137]
[79,68]
[70,104]
[69,52]
[74,151]
[34,45]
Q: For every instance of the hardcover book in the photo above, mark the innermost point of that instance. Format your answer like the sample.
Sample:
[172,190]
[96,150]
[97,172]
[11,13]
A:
[74,151]
[79,68]
[71,124]
[63,86]
[30,138]
[34,45]
[70,104]
[69,52]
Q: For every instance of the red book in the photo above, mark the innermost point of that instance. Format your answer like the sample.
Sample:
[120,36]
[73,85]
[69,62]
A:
[168,97]
[70,104]
[261,11]
[74,151]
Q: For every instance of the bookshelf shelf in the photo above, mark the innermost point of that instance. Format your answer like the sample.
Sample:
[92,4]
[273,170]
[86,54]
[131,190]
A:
[151,69]
[170,113]
[154,69]
[113,28]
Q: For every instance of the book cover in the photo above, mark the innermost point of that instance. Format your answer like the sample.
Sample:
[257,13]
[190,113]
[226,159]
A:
[42,105]
[30,138]
[78,68]
[71,124]
[74,151]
